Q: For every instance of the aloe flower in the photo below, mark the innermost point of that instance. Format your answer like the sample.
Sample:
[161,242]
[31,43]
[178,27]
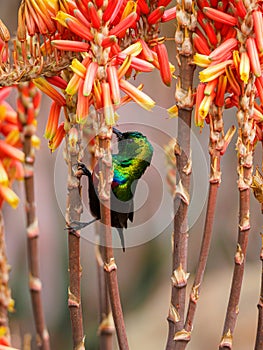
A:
[11,156]
[110,41]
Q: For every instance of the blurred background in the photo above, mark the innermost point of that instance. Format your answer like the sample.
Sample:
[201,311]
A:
[145,268]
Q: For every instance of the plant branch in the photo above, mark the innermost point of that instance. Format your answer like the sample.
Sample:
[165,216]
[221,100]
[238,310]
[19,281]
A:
[27,93]
[73,212]
[106,327]
[245,162]
[110,267]
[183,96]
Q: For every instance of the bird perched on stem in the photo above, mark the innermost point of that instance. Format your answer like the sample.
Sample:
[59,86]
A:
[129,164]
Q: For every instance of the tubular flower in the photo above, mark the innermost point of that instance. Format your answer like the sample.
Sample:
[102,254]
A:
[11,155]
[107,37]
[213,71]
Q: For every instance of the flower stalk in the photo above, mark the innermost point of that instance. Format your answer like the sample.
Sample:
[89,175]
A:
[184,101]
[74,209]
[29,101]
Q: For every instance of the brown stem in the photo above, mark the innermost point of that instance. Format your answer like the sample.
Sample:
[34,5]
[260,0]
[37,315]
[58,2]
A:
[5,293]
[33,249]
[110,266]
[232,309]
[245,166]
[181,202]
[209,221]
[35,284]
[106,328]
[73,212]
[259,338]
[218,144]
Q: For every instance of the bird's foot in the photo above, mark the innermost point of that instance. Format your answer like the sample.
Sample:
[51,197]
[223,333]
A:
[77,225]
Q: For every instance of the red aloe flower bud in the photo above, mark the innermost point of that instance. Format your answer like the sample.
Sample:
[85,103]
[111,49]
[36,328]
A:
[83,7]
[70,45]
[48,89]
[120,29]
[52,123]
[93,14]
[82,111]
[221,89]
[240,8]
[107,105]
[137,63]
[109,41]
[169,14]
[164,64]
[253,56]
[219,16]
[7,150]
[201,44]
[143,7]
[76,27]
[90,77]
[163,2]
[258,27]
[156,15]
[223,49]
[58,138]
[235,87]
[81,18]
[57,81]
[114,84]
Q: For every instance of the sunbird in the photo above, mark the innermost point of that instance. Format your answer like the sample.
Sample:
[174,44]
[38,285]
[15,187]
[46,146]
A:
[129,164]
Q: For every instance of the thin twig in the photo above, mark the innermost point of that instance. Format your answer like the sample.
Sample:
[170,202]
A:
[27,92]
[73,212]
[110,267]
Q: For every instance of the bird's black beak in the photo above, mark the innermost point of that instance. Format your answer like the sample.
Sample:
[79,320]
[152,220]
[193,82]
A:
[117,133]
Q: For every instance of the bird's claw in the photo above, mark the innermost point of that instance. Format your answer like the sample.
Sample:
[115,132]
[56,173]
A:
[76,225]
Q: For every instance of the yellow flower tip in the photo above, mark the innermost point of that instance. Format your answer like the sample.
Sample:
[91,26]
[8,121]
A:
[35,142]
[173,111]
[11,305]
[8,195]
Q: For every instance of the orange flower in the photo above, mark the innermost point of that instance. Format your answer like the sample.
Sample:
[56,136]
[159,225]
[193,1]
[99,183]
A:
[253,56]
[52,123]
[48,89]
[58,138]
[11,152]
[136,95]
[107,105]
[9,196]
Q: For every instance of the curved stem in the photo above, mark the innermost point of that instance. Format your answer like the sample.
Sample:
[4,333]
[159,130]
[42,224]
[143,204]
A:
[73,212]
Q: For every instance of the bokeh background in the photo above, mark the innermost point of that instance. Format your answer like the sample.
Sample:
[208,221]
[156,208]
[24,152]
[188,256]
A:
[144,270]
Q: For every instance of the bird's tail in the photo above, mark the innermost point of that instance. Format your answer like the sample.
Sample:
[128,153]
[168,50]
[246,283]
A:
[120,232]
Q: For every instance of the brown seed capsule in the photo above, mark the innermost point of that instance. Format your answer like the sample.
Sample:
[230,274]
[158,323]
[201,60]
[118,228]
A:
[21,29]
[4,32]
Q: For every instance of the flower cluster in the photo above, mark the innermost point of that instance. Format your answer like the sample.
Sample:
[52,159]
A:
[229,45]
[111,40]
[11,156]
